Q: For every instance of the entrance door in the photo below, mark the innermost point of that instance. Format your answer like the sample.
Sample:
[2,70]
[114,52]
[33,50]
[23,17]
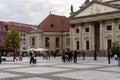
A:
[97,36]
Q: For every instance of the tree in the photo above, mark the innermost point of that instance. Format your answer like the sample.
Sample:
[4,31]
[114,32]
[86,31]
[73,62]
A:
[12,40]
[114,48]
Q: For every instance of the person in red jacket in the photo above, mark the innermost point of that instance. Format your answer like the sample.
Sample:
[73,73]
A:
[14,55]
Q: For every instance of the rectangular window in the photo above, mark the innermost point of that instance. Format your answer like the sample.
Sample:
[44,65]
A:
[86,29]
[109,27]
[68,41]
[87,45]
[77,45]
[119,26]
[77,30]
[57,42]
[109,43]
[33,41]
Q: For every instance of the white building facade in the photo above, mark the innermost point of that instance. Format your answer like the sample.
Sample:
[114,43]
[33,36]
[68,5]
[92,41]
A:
[95,26]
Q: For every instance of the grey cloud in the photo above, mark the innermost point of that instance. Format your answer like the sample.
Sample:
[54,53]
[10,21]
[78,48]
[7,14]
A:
[31,11]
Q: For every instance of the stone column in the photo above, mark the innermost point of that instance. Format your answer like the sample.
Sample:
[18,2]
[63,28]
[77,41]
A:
[82,34]
[91,35]
[80,37]
[113,31]
[71,38]
[101,36]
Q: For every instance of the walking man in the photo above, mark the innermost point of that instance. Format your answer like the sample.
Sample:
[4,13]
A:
[118,55]
[108,55]
[31,56]
[95,55]
[83,54]
[75,56]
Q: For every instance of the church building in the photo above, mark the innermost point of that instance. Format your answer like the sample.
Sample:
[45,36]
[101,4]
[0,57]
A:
[52,34]
[95,26]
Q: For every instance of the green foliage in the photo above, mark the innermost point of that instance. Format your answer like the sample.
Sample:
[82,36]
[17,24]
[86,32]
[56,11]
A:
[115,46]
[13,39]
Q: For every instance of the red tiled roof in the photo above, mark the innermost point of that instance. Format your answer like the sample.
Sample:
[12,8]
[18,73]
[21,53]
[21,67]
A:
[54,23]
[20,24]
[1,23]
[17,25]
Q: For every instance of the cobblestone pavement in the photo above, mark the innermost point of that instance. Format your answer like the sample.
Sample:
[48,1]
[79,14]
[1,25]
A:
[55,69]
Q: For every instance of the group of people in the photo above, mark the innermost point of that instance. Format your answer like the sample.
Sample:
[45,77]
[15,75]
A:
[46,55]
[69,56]
[109,55]
[17,55]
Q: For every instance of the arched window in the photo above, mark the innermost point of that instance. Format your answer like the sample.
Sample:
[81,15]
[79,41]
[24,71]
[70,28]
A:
[33,41]
[57,42]
[109,43]
[47,42]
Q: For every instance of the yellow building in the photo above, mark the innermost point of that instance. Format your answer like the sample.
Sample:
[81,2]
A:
[52,34]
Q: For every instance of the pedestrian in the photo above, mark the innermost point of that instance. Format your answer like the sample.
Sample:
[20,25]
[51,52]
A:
[83,54]
[20,56]
[95,55]
[63,56]
[79,53]
[66,56]
[69,55]
[48,55]
[17,55]
[31,57]
[75,56]
[55,54]
[14,55]
[0,58]
[118,55]
[108,55]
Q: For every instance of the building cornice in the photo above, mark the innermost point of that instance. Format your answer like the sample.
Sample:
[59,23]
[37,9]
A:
[95,17]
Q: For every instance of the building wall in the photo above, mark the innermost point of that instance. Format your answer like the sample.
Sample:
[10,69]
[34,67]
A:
[105,35]
[40,40]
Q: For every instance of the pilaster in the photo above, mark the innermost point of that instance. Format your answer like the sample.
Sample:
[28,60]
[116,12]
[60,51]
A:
[80,37]
[101,36]
[113,30]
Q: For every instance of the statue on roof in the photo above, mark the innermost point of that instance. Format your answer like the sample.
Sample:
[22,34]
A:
[87,1]
[71,8]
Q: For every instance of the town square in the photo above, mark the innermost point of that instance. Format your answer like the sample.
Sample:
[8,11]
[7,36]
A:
[60,40]
[55,69]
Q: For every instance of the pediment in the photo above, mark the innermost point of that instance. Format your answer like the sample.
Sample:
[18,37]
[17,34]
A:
[32,31]
[95,8]
[108,36]
[86,37]
[77,38]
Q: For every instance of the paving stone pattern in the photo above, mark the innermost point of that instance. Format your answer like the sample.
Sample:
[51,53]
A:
[55,69]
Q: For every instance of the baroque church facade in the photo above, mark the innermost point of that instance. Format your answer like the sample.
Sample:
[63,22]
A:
[95,26]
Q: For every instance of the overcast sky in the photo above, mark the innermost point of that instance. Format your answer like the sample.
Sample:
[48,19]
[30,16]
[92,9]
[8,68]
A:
[34,11]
